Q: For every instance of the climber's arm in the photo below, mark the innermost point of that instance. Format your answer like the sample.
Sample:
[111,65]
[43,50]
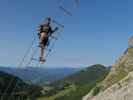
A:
[52,31]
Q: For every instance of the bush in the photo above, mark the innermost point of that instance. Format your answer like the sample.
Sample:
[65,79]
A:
[96,90]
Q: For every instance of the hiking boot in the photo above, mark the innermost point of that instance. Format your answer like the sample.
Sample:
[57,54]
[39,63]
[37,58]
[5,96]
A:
[42,60]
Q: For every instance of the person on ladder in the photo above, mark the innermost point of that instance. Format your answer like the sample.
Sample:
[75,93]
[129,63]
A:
[45,32]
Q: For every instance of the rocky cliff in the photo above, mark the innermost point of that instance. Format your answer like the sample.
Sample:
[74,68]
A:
[122,90]
[118,84]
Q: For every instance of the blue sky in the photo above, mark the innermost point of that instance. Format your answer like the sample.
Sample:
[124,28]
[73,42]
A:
[97,32]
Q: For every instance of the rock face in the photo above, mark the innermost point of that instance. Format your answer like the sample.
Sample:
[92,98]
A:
[130,41]
[123,90]
[120,69]
[111,88]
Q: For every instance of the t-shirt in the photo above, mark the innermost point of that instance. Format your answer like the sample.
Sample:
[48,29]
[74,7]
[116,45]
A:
[45,28]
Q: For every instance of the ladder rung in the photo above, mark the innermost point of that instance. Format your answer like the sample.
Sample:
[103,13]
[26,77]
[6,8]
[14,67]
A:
[65,11]
[54,21]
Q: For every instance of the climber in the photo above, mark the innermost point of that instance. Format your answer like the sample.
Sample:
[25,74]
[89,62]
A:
[45,32]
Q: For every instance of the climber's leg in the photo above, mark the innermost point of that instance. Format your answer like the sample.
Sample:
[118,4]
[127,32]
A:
[42,46]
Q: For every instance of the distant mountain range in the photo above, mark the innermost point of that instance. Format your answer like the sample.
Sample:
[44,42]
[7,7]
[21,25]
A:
[39,76]
[76,85]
